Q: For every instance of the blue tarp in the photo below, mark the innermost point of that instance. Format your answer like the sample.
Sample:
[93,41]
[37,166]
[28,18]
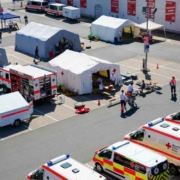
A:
[6,16]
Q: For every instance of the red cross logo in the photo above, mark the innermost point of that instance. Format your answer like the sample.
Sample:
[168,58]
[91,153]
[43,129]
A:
[132,164]
[168,145]
[62,73]
[114,70]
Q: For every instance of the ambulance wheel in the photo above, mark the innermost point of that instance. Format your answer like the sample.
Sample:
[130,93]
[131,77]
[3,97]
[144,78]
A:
[99,168]
[17,123]
[173,169]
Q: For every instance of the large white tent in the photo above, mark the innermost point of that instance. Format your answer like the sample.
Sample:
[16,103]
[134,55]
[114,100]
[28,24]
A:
[74,70]
[106,28]
[45,37]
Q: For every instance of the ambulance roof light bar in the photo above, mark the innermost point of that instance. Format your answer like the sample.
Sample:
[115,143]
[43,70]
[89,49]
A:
[119,144]
[58,159]
[156,121]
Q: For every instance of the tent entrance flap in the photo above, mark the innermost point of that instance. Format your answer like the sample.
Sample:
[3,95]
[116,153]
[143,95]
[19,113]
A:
[128,32]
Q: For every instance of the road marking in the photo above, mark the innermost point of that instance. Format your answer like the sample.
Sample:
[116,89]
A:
[1,139]
[46,115]
[62,104]
[129,67]
[21,59]
[27,127]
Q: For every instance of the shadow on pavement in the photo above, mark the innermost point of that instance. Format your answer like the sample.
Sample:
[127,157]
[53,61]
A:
[129,112]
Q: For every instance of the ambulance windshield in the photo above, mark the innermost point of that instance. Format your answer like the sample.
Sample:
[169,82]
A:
[38,175]
[138,135]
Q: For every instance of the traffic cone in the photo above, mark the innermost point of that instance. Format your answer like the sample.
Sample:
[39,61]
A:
[157,66]
[99,103]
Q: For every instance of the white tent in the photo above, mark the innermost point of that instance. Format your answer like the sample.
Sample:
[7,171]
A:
[107,28]
[151,26]
[45,37]
[75,70]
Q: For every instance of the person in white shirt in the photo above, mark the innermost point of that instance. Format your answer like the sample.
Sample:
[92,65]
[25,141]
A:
[130,88]
[112,79]
[123,101]
[10,25]
[99,80]
[101,87]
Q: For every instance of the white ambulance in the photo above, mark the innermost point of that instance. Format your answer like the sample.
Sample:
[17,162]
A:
[162,137]
[14,109]
[36,5]
[128,161]
[32,81]
[55,9]
[64,168]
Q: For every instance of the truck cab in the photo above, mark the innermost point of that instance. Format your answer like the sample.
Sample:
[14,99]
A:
[55,9]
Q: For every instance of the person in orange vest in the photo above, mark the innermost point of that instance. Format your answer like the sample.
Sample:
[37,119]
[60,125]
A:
[173,85]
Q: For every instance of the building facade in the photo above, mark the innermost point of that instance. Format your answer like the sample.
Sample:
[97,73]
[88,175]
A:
[168,11]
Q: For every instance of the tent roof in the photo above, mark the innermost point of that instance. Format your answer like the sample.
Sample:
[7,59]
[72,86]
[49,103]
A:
[9,16]
[76,62]
[112,22]
[151,25]
[39,31]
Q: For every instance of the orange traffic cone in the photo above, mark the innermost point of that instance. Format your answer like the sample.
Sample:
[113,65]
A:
[99,103]
[157,66]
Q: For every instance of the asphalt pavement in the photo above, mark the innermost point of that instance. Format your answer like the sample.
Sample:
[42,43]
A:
[82,135]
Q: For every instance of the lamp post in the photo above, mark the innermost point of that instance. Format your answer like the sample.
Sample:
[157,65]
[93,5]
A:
[145,11]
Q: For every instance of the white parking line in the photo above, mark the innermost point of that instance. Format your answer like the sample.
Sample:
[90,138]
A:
[129,67]
[46,115]
[89,166]
[27,127]
[62,104]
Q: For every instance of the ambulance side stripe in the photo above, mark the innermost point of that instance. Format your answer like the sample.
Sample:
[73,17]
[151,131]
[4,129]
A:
[18,112]
[152,148]
[37,92]
[173,121]
[54,172]
[162,133]
[4,79]
[53,87]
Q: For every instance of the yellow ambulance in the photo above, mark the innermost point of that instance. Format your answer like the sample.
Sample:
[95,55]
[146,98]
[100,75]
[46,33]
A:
[162,137]
[128,161]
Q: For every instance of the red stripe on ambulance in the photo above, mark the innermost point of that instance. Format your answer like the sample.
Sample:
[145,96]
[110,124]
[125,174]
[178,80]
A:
[53,172]
[173,121]
[18,112]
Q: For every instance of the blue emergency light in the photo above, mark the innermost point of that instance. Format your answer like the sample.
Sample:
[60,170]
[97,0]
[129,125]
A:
[152,123]
[118,145]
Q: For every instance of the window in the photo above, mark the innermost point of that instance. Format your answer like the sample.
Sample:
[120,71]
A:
[7,76]
[1,74]
[164,125]
[66,165]
[177,116]
[106,154]
[129,164]
[139,135]
[44,3]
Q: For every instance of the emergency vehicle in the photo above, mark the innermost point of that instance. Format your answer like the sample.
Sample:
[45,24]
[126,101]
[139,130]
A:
[14,109]
[55,9]
[162,137]
[174,117]
[129,161]
[64,168]
[32,81]
[36,5]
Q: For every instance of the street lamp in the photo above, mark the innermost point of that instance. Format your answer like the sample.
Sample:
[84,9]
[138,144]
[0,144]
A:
[145,11]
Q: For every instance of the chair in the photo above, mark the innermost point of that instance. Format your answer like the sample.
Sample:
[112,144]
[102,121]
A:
[51,54]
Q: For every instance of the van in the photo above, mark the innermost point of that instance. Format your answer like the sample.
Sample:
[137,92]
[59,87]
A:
[162,137]
[55,9]
[36,5]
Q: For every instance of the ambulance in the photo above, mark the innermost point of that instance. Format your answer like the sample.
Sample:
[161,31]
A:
[36,5]
[32,81]
[128,161]
[161,136]
[14,109]
[55,9]
[64,168]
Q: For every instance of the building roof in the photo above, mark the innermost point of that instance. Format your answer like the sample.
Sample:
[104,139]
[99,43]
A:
[9,102]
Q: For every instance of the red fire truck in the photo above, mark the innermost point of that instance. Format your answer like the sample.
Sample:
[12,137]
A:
[32,81]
